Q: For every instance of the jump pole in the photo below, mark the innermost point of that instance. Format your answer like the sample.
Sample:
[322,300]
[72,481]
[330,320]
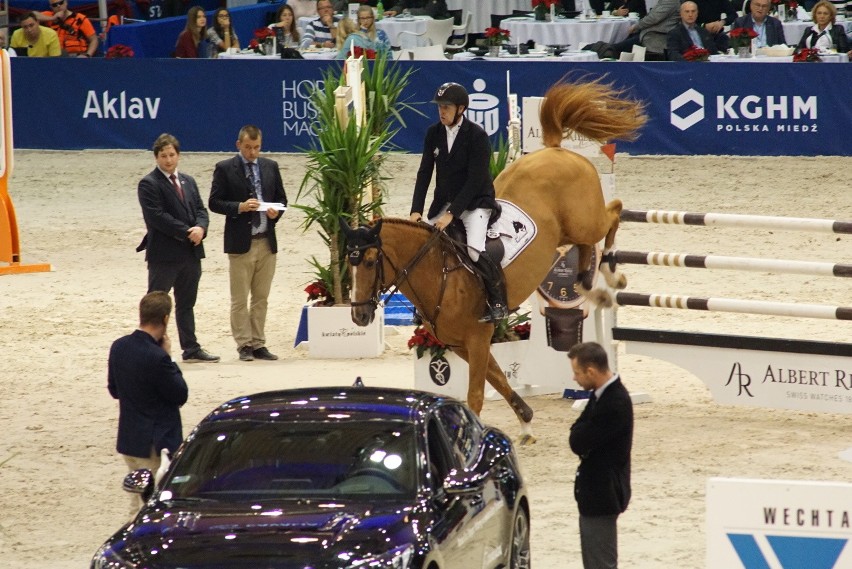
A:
[737,220]
[10,244]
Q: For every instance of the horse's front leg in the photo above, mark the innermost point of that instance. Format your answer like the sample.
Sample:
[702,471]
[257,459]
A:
[523,412]
[476,355]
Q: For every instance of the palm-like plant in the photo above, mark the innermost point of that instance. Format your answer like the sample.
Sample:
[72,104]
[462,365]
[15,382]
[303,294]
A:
[345,162]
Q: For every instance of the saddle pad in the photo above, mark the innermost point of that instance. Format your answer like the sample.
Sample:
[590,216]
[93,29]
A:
[514,228]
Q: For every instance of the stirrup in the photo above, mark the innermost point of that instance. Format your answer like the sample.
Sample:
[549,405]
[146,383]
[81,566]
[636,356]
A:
[494,313]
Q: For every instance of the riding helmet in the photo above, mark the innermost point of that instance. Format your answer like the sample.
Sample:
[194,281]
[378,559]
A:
[451,94]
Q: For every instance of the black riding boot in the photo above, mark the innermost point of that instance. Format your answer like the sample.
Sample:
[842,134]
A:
[496,308]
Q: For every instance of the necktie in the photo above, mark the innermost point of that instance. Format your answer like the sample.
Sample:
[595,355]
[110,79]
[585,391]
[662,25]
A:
[256,192]
[176,184]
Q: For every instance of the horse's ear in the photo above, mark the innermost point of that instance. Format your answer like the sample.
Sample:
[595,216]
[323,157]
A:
[344,227]
[377,227]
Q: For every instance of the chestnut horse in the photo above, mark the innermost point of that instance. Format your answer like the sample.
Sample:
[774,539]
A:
[561,192]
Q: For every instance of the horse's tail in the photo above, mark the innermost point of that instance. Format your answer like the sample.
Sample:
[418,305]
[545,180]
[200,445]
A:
[592,109]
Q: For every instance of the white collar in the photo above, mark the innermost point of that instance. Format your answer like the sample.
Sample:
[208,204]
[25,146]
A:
[599,391]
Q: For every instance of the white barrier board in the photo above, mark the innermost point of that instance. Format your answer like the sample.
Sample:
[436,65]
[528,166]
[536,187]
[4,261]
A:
[778,524]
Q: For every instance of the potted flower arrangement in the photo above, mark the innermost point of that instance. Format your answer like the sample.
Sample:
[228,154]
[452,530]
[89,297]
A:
[344,174]
[696,53]
[495,37]
[263,42]
[542,7]
[785,10]
[119,51]
[740,40]
[806,55]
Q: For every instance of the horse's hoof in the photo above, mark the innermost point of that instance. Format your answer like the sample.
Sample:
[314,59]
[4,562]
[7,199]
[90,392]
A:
[526,440]
[521,409]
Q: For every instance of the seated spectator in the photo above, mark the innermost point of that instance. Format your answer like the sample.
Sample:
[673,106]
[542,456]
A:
[687,34]
[192,41]
[286,32]
[620,7]
[77,36]
[367,26]
[768,29]
[221,35]
[825,34]
[651,32]
[714,15]
[39,41]
[435,8]
[321,32]
[302,8]
[349,37]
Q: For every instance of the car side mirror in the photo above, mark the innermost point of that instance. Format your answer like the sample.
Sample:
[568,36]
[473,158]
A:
[140,482]
[460,482]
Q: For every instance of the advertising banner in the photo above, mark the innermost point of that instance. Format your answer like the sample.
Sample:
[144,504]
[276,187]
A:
[693,108]
[784,524]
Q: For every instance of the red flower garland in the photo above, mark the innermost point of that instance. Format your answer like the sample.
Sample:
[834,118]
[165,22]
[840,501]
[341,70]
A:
[696,53]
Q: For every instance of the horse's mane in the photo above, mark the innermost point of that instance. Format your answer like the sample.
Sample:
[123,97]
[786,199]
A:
[418,225]
[591,108]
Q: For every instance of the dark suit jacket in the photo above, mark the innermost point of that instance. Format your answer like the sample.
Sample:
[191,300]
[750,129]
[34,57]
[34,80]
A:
[838,36]
[462,179]
[602,437]
[150,390]
[773,27]
[168,219]
[678,42]
[231,186]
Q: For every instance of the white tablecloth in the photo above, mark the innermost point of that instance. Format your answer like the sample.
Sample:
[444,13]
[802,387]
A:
[482,10]
[833,58]
[793,31]
[312,54]
[575,33]
[393,26]
[565,56]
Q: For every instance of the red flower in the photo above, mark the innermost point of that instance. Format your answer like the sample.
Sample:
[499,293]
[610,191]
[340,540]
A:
[742,33]
[792,4]
[118,51]
[545,3]
[262,33]
[696,53]
[317,290]
[367,53]
[806,55]
[522,330]
[423,340]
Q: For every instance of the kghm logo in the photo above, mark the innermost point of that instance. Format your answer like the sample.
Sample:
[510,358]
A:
[687,109]
[790,552]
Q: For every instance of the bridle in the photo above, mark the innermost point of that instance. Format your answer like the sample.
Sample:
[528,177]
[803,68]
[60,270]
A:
[355,256]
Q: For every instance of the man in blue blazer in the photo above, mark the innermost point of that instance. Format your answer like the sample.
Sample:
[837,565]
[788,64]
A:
[687,34]
[602,437]
[177,224]
[240,186]
[769,30]
[149,387]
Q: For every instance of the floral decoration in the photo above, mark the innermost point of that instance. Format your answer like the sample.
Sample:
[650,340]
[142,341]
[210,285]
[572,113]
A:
[367,53]
[318,290]
[545,3]
[696,53]
[515,327]
[496,36]
[741,37]
[260,36]
[423,340]
[119,51]
[806,55]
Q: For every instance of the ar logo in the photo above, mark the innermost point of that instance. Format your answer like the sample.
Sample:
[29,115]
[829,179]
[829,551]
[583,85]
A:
[791,552]
[439,370]
[742,379]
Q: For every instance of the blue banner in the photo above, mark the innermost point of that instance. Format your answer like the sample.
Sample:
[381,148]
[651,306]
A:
[693,108]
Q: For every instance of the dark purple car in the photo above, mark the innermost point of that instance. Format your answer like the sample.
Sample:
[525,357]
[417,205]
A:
[332,478]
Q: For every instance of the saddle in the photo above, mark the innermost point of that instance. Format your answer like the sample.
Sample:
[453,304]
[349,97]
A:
[510,230]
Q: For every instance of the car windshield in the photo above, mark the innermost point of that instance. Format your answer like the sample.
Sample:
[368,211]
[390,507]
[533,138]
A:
[255,459]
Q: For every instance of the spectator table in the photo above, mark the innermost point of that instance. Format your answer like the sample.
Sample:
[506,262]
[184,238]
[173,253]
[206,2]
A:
[569,32]
[482,10]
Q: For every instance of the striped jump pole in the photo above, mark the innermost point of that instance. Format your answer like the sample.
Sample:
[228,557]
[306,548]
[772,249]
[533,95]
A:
[656,258]
[734,305]
[738,220]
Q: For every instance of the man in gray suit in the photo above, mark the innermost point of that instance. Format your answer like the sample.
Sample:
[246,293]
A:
[652,30]
[768,29]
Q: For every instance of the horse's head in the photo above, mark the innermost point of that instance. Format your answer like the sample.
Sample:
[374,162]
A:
[364,252]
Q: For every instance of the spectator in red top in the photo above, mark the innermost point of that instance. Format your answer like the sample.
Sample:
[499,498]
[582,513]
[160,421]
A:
[192,40]
[77,36]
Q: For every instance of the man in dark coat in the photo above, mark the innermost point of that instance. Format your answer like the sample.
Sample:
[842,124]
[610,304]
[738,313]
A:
[687,34]
[602,437]
[149,387]
[769,30]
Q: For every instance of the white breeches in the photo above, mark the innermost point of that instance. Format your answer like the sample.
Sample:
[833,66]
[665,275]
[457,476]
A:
[475,224]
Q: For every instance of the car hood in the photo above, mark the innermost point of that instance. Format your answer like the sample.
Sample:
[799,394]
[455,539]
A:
[279,535]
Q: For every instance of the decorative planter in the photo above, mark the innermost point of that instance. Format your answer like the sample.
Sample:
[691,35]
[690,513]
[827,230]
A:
[332,334]
[743,52]
[493,51]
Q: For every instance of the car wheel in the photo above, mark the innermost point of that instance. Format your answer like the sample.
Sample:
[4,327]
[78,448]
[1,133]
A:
[520,541]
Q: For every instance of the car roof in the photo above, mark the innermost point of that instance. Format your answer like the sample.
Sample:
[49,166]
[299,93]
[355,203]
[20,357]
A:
[321,403]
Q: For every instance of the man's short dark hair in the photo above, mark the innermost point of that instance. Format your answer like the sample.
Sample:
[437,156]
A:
[27,16]
[249,131]
[164,140]
[154,307]
[589,354]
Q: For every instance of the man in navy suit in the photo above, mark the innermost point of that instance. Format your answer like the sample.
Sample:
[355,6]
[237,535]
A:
[769,30]
[602,437]
[459,151]
[687,34]
[240,186]
[149,387]
[177,224]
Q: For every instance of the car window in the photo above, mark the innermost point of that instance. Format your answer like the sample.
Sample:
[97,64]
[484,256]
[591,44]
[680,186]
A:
[440,457]
[297,459]
[463,431]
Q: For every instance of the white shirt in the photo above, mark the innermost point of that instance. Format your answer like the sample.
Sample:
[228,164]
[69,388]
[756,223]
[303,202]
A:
[599,391]
[452,132]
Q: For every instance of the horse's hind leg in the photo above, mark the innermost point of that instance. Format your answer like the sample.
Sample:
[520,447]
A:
[614,278]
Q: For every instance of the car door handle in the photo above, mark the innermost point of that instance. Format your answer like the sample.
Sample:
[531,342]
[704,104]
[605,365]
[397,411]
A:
[476,500]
